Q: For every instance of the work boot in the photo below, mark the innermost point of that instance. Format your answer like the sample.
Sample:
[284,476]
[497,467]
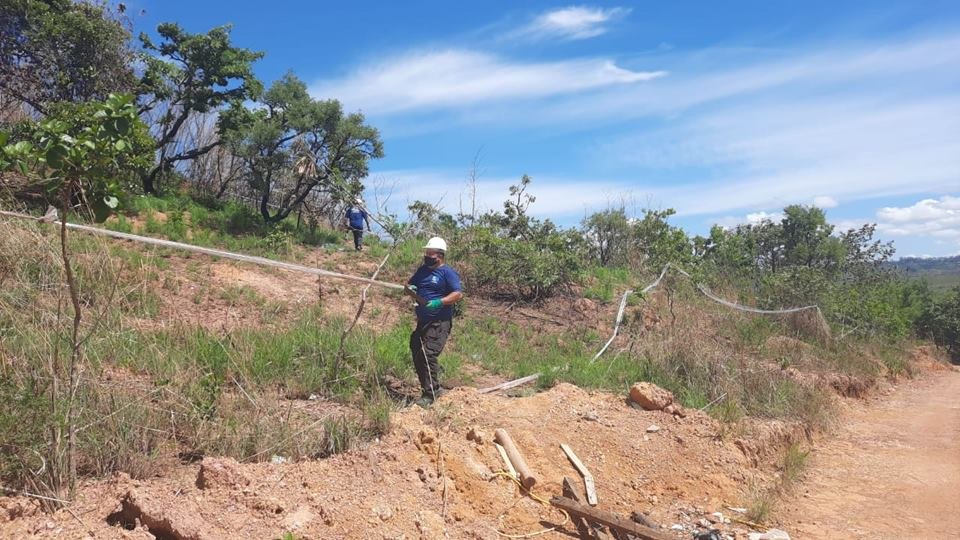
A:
[427,398]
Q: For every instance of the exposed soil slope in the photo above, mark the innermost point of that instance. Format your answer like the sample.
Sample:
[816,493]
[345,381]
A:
[424,482]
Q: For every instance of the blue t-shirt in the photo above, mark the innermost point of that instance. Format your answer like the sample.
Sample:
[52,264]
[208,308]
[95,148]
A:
[356,216]
[434,283]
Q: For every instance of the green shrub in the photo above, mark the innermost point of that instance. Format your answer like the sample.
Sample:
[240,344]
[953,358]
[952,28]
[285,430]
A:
[548,262]
[940,320]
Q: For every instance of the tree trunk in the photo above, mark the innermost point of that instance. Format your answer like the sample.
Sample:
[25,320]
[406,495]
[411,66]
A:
[149,179]
[74,365]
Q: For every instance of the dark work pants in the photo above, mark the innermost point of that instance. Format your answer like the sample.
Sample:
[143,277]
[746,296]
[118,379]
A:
[426,344]
[357,238]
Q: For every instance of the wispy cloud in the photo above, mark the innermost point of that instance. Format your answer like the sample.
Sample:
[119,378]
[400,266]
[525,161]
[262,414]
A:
[458,78]
[569,23]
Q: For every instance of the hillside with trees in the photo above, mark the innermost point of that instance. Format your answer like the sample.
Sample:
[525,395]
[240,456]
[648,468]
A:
[123,364]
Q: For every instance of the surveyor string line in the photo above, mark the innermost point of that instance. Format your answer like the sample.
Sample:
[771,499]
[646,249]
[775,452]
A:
[703,290]
[337,275]
[623,305]
[210,251]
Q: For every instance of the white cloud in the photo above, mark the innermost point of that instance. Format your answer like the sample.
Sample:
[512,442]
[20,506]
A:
[574,22]
[825,201]
[752,218]
[457,78]
[759,217]
[937,218]
[556,197]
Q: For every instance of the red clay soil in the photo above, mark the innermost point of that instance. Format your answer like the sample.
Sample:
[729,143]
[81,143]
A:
[425,482]
[892,470]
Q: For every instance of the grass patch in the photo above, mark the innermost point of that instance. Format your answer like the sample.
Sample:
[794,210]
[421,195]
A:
[761,504]
[340,434]
[221,224]
[602,283]
[793,464]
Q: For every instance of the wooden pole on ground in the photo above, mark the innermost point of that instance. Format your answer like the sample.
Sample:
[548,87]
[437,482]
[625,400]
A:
[527,477]
[510,384]
[614,522]
[506,460]
[585,529]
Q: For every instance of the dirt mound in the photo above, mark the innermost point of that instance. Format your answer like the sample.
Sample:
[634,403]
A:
[436,473]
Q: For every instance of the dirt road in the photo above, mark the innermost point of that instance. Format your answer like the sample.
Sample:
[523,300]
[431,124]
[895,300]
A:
[893,470]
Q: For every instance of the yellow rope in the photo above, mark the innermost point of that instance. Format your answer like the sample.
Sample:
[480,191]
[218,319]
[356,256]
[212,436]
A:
[541,500]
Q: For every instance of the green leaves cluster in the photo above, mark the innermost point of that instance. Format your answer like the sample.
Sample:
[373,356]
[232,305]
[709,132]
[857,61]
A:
[61,50]
[199,72]
[941,322]
[81,153]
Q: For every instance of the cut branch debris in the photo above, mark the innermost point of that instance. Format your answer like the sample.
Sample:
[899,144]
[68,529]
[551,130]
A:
[615,523]
[587,477]
[585,529]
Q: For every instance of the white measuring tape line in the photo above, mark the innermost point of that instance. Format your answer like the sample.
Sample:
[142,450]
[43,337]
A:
[209,251]
[623,305]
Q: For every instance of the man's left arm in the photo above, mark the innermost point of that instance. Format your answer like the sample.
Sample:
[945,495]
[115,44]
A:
[455,293]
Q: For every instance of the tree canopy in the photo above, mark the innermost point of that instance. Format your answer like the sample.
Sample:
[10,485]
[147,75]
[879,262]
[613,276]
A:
[294,145]
[61,50]
[190,74]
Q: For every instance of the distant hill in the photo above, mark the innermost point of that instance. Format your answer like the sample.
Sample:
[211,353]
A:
[941,272]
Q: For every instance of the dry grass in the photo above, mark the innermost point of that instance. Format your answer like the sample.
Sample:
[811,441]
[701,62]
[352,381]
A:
[146,399]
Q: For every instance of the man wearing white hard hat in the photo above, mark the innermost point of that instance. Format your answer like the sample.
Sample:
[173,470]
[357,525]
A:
[355,218]
[436,288]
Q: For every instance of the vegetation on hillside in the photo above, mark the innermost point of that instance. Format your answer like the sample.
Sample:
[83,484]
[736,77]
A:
[177,138]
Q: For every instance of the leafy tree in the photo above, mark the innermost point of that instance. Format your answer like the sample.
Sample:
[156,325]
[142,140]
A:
[807,239]
[429,220]
[76,154]
[656,242]
[514,255]
[191,74]
[294,145]
[608,233]
[941,321]
[61,50]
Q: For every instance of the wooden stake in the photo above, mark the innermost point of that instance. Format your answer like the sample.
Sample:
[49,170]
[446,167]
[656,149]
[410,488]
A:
[526,476]
[614,522]
[582,469]
[510,384]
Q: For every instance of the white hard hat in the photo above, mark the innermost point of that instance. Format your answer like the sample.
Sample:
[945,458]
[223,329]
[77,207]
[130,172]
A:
[358,200]
[436,243]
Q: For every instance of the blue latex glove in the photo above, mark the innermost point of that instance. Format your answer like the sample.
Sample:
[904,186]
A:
[434,304]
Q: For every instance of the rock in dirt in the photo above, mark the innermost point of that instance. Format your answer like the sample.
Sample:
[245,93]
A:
[650,396]
[430,525]
[16,508]
[159,519]
[476,435]
[220,473]
[584,305]
[772,534]
[653,428]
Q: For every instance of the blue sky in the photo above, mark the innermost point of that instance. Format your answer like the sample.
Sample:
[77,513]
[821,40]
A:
[725,111]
